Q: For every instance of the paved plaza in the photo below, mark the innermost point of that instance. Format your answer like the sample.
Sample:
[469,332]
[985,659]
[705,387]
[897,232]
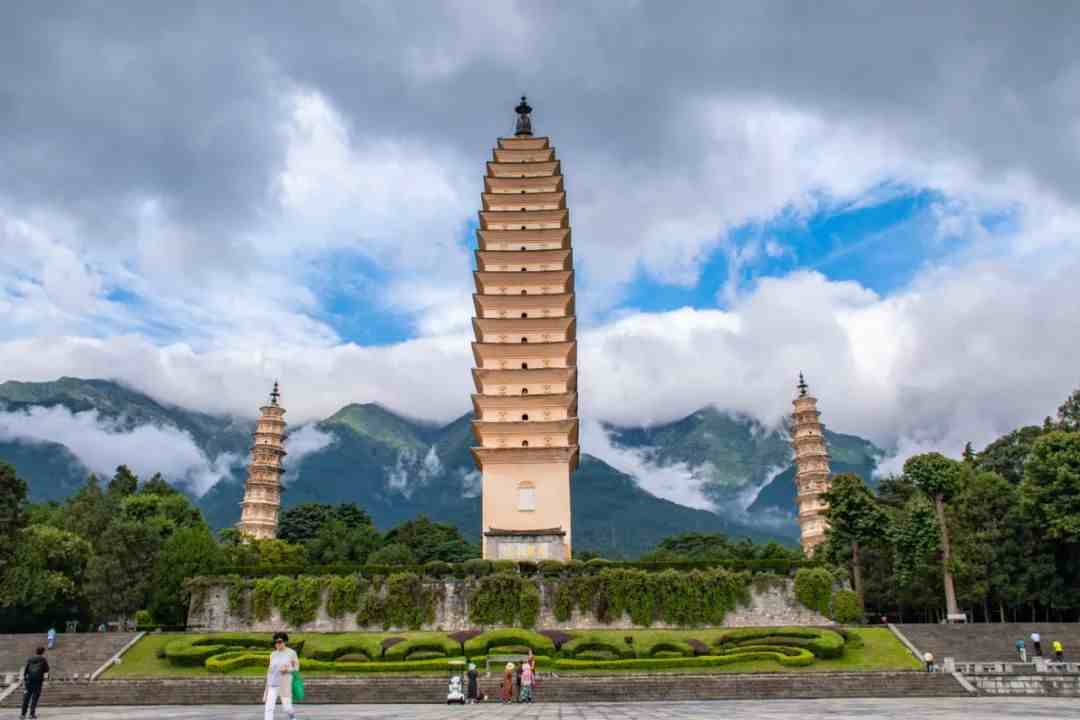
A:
[938,709]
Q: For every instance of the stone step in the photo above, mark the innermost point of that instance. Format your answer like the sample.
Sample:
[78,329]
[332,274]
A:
[81,653]
[989,642]
[591,688]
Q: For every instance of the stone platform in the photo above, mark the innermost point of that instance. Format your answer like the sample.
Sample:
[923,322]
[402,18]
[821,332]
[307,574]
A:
[896,709]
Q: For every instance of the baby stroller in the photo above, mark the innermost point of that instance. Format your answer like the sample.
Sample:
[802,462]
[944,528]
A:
[455,694]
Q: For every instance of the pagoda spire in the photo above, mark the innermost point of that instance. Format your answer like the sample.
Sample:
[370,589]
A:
[811,468]
[262,490]
[524,122]
[525,404]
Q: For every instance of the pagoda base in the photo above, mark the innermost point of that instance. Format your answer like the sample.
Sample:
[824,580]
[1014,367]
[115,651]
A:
[546,544]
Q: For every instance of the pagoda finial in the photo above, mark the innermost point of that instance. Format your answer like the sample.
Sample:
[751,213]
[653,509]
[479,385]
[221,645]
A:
[274,394]
[524,122]
[802,386]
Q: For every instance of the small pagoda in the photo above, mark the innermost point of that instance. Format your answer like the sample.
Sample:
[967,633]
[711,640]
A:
[525,405]
[811,468]
[262,491]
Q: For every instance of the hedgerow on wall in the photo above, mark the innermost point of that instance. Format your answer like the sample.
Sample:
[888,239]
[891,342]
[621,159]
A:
[813,588]
[698,597]
[343,595]
[504,598]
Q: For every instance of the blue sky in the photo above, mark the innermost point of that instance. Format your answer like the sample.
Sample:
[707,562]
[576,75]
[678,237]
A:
[199,202]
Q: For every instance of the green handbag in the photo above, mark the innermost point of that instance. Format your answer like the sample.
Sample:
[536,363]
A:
[297,686]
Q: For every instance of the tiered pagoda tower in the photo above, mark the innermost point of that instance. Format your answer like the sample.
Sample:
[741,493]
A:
[262,491]
[811,468]
[525,421]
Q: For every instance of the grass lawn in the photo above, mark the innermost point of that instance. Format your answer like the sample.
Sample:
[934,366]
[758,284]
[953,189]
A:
[880,650]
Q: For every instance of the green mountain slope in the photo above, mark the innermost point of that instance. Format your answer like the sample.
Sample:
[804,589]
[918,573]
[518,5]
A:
[397,467]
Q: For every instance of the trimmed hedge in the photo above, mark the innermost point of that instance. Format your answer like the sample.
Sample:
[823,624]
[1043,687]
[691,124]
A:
[237,661]
[230,661]
[803,659]
[331,647]
[479,645]
[822,643]
[195,650]
[404,650]
[590,643]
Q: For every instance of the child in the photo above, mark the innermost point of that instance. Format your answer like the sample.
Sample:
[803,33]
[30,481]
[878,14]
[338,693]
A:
[526,683]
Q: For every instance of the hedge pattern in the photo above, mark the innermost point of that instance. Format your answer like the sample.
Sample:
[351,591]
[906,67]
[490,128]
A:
[482,643]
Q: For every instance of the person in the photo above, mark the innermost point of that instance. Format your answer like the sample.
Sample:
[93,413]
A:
[526,683]
[1036,640]
[517,682]
[283,662]
[1021,650]
[506,690]
[929,658]
[50,638]
[472,687]
[37,667]
[535,677]
[1059,651]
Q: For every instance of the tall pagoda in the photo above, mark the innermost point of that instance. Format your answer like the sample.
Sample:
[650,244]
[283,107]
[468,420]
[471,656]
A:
[811,468]
[525,419]
[262,491]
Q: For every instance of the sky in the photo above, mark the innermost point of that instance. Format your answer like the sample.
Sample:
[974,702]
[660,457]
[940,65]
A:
[199,198]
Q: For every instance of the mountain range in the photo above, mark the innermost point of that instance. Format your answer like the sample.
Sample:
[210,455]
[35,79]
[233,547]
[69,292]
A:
[396,467]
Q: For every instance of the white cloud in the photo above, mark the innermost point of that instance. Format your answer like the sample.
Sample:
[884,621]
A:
[301,442]
[103,444]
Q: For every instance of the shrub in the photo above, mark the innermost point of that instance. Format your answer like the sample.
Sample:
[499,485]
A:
[550,568]
[143,618]
[504,599]
[462,635]
[477,567]
[558,637]
[821,643]
[667,654]
[594,642]
[409,602]
[845,607]
[393,554]
[664,648]
[425,655]
[404,650]
[527,567]
[332,647]
[698,647]
[195,650]
[438,569]
[230,661]
[351,667]
[803,659]
[539,644]
[504,566]
[573,567]
[813,588]
[342,595]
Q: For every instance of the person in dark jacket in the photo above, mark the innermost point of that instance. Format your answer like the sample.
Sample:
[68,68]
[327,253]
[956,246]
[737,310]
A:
[472,694]
[37,667]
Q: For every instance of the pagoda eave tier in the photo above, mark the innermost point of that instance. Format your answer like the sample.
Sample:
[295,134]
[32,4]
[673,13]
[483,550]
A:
[556,401]
[519,220]
[490,329]
[504,261]
[536,282]
[527,456]
[523,186]
[516,240]
[523,155]
[524,143]
[547,305]
[523,202]
[484,430]
[523,169]
[555,354]
[486,380]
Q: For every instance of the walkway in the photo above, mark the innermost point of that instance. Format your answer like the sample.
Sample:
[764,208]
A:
[934,709]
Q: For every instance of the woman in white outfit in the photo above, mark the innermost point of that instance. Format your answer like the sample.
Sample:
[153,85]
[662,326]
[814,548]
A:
[283,663]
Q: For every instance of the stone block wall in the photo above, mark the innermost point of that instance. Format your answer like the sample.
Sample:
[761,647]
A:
[1049,684]
[772,603]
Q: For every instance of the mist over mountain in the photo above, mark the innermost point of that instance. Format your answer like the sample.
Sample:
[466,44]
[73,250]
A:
[711,471]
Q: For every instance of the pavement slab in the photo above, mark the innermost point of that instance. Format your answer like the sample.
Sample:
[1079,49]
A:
[877,709]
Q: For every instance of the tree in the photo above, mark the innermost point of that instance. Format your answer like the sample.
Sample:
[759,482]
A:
[1051,487]
[120,575]
[1068,415]
[422,537]
[336,543]
[855,520]
[123,483]
[189,552]
[394,554]
[12,513]
[937,476]
[302,523]
[1006,455]
[157,485]
[89,511]
[695,547]
[46,575]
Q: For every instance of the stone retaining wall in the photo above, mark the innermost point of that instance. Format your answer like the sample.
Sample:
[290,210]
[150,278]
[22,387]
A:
[1047,684]
[772,604]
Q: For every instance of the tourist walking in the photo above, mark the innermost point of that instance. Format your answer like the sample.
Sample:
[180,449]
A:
[929,659]
[1059,651]
[50,638]
[526,683]
[1021,651]
[283,663]
[37,667]
[1036,640]
[472,685]
[506,690]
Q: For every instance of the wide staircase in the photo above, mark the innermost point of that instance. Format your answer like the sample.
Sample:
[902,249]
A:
[581,688]
[74,653]
[990,642]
